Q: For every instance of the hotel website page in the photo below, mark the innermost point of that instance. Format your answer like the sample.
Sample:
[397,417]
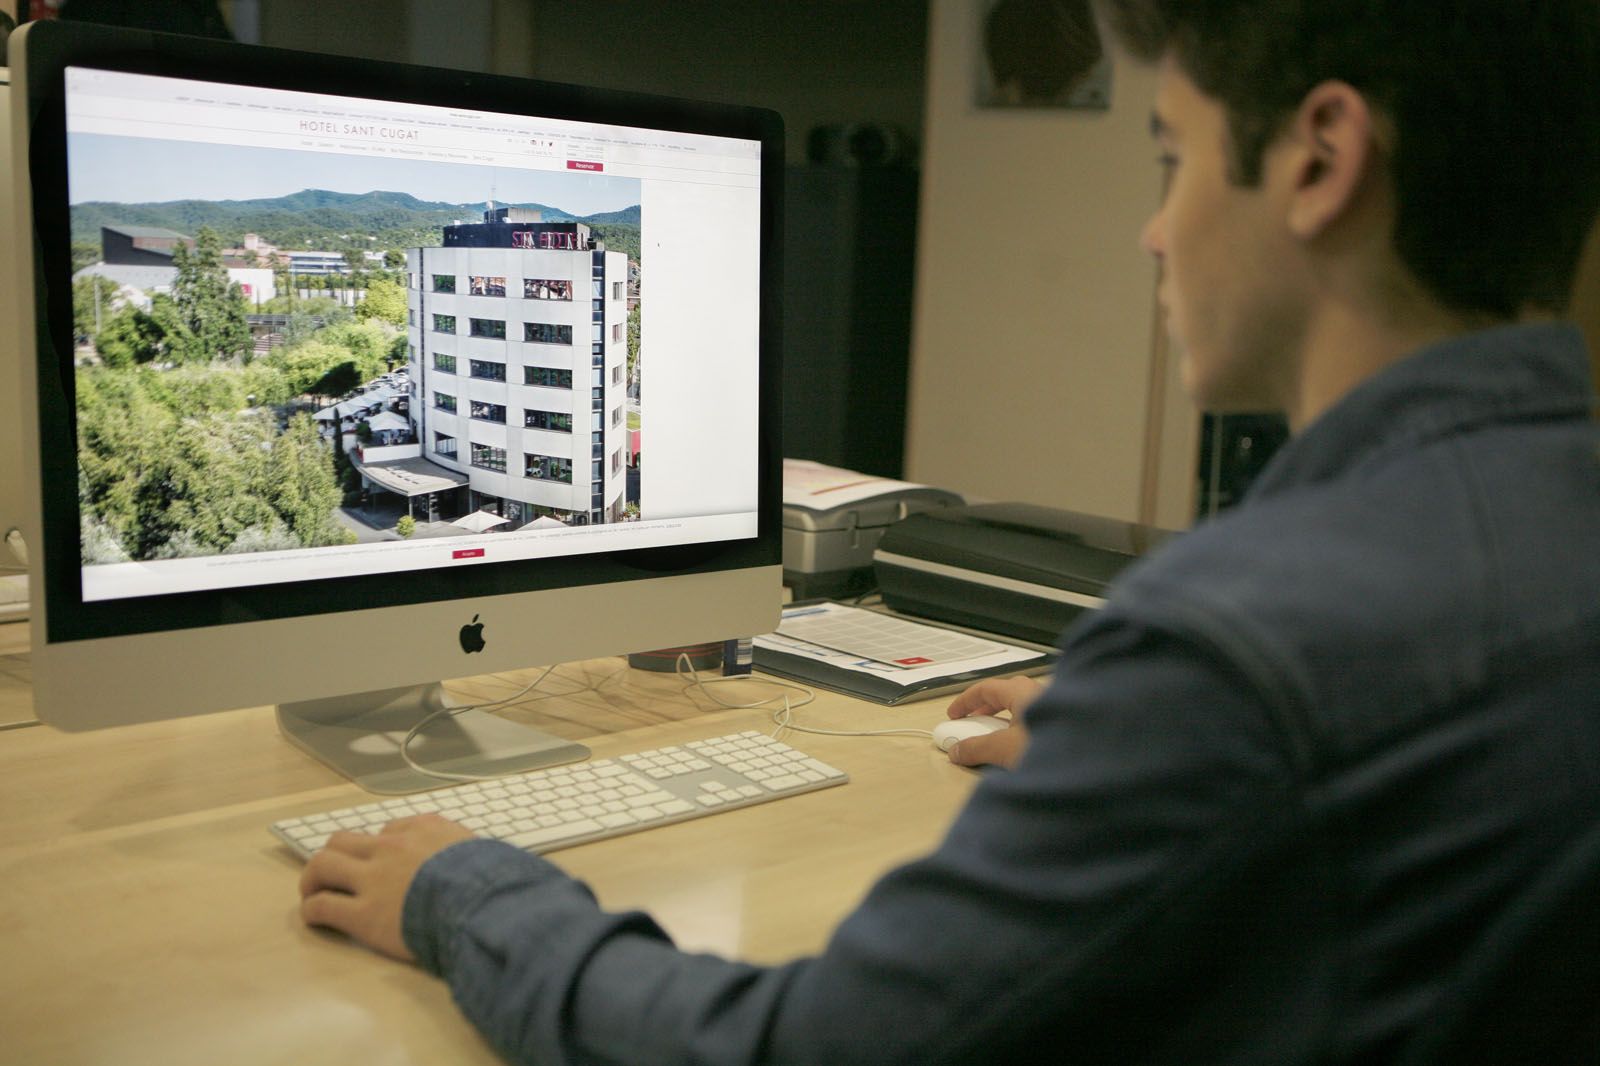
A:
[321,336]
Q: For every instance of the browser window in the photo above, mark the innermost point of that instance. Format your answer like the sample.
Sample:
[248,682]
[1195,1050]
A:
[321,335]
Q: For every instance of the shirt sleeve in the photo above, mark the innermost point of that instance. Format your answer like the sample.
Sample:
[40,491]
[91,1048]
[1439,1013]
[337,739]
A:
[1088,878]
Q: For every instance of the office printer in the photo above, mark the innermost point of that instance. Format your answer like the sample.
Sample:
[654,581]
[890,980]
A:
[1011,568]
[833,519]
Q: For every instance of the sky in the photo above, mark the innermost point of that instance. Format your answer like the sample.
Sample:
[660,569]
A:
[136,170]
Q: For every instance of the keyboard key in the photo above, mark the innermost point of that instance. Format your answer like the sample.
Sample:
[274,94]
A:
[546,837]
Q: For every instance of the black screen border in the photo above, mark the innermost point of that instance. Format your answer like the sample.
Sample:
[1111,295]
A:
[53,46]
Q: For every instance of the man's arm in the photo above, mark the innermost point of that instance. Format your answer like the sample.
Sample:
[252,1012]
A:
[1153,778]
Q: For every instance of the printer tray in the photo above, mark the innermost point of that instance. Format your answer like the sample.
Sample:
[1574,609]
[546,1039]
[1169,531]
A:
[1012,568]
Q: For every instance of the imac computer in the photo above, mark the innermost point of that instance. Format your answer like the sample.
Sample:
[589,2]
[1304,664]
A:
[338,378]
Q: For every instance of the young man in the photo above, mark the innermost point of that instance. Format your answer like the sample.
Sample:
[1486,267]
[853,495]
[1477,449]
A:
[1304,756]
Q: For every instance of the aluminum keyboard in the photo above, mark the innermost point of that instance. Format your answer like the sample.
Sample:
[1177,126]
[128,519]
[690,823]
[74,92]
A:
[575,803]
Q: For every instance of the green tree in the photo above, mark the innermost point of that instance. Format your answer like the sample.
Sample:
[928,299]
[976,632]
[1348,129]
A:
[394,259]
[92,304]
[406,526]
[304,365]
[340,379]
[130,336]
[385,301]
[217,480]
[305,492]
[633,342]
[84,253]
[210,307]
[265,385]
[368,342]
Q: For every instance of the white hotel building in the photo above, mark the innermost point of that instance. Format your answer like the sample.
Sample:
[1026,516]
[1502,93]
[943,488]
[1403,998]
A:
[518,351]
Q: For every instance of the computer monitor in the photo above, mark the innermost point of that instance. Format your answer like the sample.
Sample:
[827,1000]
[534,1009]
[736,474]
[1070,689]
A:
[343,377]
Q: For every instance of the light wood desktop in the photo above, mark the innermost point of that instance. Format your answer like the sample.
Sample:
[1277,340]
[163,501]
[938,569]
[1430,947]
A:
[147,916]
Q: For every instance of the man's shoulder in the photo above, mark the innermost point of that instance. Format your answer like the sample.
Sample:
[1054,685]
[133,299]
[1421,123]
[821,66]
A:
[1409,583]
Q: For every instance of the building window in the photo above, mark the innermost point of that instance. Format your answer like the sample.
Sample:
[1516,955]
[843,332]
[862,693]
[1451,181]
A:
[488,412]
[444,402]
[488,371]
[546,333]
[444,323]
[411,316]
[445,364]
[480,285]
[616,374]
[444,445]
[493,328]
[616,290]
[547,467]
[616,461]
[411,280]
[616,331]
[546,289]
[553,420]
[488,458]
[444,283]
[616,417]
[547,376]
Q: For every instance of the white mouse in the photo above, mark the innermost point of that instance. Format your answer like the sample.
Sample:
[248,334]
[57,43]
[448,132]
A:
[945,734]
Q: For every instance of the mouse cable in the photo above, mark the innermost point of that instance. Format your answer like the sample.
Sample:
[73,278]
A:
[782,717]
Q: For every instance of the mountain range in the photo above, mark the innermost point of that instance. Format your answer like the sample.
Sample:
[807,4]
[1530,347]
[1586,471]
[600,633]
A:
[318,218]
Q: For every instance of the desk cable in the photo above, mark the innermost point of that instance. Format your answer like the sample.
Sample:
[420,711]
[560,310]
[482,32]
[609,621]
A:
[783,716]
[431,717]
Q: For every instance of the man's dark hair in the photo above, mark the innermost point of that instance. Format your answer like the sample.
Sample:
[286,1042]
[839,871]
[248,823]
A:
[1495,106]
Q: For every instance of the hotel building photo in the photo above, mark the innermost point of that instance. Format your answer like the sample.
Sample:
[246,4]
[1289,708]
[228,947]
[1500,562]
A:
[517,332]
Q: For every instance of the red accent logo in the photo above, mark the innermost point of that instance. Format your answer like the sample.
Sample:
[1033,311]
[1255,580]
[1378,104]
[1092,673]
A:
[583,164]
[467,553]
[915,660]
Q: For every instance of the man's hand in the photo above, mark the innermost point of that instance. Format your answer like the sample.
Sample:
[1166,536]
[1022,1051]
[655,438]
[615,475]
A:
[990,696]
[357,883]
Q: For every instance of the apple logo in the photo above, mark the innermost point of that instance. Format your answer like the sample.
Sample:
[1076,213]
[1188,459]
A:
[472,636]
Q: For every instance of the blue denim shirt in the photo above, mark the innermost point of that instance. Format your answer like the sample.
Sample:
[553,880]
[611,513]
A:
[1278,787]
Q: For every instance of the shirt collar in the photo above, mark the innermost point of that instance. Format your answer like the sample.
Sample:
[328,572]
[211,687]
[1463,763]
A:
[1507,373]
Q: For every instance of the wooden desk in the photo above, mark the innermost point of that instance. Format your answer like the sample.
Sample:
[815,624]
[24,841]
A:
[147,916]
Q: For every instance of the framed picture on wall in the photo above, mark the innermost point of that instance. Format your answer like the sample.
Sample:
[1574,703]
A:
[1041,54]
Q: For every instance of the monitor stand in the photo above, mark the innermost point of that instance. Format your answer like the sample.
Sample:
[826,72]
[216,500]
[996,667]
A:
[359,735]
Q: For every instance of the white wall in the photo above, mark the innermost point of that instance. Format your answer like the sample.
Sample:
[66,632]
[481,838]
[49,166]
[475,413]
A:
[1034,330]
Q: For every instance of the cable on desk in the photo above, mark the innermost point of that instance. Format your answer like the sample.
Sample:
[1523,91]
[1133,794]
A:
[430,718]
[783,716]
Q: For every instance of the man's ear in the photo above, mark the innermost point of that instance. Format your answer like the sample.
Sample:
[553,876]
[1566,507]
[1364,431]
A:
[1334,152]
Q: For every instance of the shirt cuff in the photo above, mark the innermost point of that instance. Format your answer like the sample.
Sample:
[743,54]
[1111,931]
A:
[452,885]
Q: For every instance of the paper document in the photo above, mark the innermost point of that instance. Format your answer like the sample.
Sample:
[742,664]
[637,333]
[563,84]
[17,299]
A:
[874,634]
[819,487]
[881,637]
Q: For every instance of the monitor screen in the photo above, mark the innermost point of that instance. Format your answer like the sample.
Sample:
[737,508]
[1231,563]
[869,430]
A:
[535,272]
[319,345]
